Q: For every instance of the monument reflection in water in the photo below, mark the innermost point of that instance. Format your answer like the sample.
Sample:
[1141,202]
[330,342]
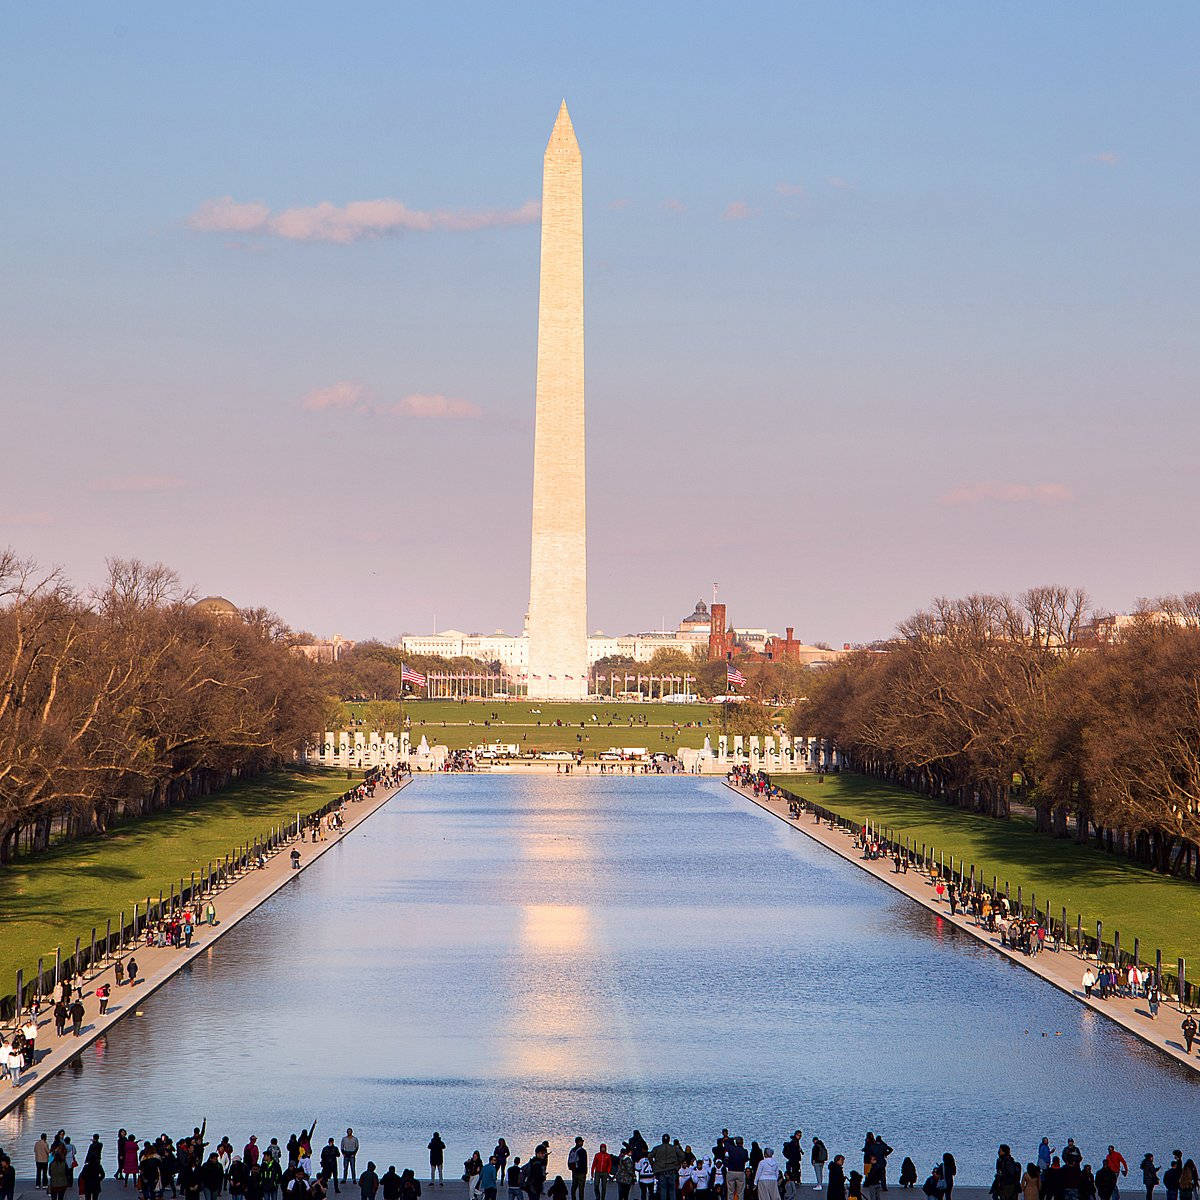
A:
[544,957]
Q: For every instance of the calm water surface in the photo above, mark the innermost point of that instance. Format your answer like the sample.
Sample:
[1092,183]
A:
[544,957]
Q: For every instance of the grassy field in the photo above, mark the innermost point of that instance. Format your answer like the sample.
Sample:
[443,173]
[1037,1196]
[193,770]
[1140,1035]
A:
[1163,912]
[51,899]
[546,726]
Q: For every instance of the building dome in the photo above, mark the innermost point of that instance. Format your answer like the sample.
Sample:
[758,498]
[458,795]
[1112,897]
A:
[217,606]
[699,617]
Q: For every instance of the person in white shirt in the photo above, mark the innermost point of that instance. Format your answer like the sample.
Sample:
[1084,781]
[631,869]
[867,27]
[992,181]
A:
[645,1175]
[29,1029]
[766,1178]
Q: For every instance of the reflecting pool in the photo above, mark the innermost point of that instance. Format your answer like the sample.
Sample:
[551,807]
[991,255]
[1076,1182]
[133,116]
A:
[543,957]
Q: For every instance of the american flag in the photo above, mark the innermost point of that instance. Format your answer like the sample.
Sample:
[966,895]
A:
[408,675]
[734,676]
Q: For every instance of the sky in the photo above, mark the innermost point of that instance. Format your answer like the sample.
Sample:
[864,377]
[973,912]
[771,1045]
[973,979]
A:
[883,302]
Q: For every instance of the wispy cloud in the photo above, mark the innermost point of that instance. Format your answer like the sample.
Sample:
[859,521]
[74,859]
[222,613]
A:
[344,394]
[969,494]
[1107,158]
[736,210]
[26,520]
[620,204]
[351,222]
[348,396]
[789,189]
[137,483]
[842,185]
[675,206]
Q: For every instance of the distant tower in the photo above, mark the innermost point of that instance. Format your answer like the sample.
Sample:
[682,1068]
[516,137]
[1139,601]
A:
[558,663]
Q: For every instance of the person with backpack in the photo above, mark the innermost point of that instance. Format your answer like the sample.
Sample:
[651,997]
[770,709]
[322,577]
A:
[1007,1181]
[437,1157]
[577,1164]
[818,1156]
[513,1179]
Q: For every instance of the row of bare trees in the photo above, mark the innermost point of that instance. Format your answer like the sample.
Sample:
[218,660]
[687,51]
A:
[117,702]
[983,698]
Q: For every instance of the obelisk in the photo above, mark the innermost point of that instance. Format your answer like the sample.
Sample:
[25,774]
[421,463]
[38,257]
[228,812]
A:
[558,558]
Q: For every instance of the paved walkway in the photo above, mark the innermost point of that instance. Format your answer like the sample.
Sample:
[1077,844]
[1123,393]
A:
[1063,968]
[156,965]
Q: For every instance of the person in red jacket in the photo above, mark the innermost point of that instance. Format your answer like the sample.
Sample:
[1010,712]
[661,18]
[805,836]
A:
[602,1169]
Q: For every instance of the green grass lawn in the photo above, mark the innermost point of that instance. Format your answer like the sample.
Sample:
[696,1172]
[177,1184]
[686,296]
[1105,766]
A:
[531,725]
[50,899]
[1163,912]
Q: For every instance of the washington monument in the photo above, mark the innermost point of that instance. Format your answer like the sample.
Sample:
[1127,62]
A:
[558,558]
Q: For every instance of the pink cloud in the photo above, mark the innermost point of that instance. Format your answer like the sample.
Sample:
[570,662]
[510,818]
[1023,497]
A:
[789,189]
[1007,493]
[348,396]
[433,408]
[736,210]
[343,394]
[675,206]
[137,483]
[843,185]
[226,215]
[326,222]
[1108,158]
[620,204]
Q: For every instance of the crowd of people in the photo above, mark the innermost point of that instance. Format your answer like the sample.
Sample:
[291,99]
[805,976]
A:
[301,1168]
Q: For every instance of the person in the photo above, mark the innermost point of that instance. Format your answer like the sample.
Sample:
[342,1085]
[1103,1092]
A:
[501,1155]
[766,1177]
[8,1178]
[60,1017]
[513,1179]
[102,994]
[77,1016]
[1044,1153]
[818,1156]
[410,1185]
[1031,1183]
[1114,1161]
[131,970]
[471,1172]
[666,1160]
[390,1184]
[1007,1180]
[1189,1031]
[949,1170]
[577,1164]
[119,972]
[59,1173]
[212,1177]
[874,1181]
[489,1178]
[41,1161]
[295,856]
[329,1163]
[558,1189]
[1171,1175]
[437,1156]
[350,1156]
[736,1158]
[30,1031]
[837,1178]
[645,1175]
[602,1169]
[934,1187]
[1149,1175]
[1187,1181]
[908,1175]
[368,1182]
[793,1155]
[535,1172]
